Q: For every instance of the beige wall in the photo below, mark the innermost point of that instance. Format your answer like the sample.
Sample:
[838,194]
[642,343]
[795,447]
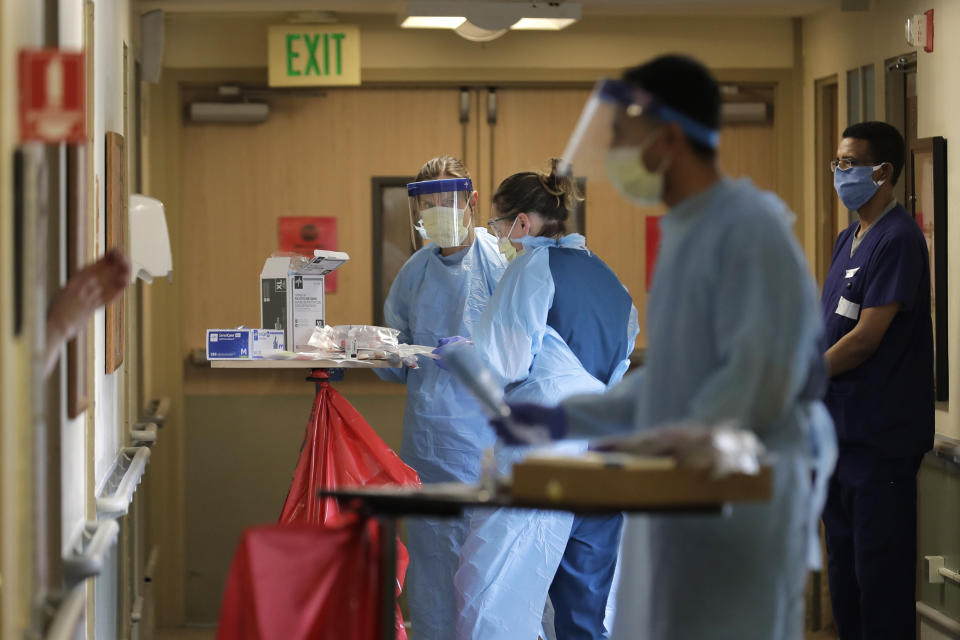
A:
[197,41]
[20,26]
[835,42]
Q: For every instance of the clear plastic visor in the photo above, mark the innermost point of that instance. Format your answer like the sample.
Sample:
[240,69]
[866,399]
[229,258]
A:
[440,215]
[610,120]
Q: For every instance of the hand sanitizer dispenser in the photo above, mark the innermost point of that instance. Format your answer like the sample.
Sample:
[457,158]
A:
[149,240]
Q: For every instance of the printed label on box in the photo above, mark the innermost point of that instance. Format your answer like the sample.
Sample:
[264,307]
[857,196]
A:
[306,307]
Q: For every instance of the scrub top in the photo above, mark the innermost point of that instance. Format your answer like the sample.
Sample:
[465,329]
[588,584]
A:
[884,408]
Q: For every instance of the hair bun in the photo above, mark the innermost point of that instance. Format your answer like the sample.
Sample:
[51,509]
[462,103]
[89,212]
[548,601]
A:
[563,188]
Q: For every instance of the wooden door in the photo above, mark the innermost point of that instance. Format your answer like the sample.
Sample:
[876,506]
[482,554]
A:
[314,156]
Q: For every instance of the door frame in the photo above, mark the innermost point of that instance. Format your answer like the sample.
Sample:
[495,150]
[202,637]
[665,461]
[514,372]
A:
[826,127]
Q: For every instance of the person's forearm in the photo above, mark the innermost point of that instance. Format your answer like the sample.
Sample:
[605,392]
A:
[848,353]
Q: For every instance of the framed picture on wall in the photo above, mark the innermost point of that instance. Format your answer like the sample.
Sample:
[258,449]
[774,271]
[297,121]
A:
[78,383]
[116,228]
[928,204]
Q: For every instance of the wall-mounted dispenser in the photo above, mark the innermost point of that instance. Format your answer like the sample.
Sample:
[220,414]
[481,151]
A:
[149,239]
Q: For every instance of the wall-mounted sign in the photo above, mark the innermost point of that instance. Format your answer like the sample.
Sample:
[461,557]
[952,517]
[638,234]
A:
[51,87]
[304,234]
[314,55]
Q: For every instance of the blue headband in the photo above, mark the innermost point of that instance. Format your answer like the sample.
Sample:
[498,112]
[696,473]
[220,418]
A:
[624,94]
[425,187]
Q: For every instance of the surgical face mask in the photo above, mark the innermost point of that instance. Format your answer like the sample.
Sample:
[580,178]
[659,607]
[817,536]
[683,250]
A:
[443,225]
[630,177]
[506,247]
[856,186]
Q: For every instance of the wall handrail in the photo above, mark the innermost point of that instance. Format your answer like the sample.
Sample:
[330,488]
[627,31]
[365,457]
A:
[89,552]
[68,615]
[143,434]
[938,617]
[122,482]
[157,411]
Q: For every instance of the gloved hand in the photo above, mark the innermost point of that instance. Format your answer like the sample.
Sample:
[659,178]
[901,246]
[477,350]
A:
[531,424]
[446,343]
[398,361]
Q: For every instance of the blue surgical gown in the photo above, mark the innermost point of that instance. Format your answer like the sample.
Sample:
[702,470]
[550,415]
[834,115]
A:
[733,333]
[510,556]
[444,429]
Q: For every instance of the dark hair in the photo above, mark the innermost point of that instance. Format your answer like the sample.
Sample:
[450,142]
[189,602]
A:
[884,141]
[436,168]
[684,84]
[549,194]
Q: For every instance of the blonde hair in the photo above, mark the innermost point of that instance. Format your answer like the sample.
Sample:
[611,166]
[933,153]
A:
[442,166]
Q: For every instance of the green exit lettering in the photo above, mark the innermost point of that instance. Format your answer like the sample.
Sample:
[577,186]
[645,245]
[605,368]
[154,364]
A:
[316,59]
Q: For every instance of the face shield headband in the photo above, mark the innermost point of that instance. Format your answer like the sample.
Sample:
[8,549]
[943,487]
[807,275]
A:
[592,135]
[439,210]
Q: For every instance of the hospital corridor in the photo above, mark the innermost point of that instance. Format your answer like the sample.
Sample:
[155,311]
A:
[479,320]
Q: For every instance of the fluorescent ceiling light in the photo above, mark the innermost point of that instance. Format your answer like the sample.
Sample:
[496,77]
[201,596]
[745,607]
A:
[432,22]
[543,24]
[484,20]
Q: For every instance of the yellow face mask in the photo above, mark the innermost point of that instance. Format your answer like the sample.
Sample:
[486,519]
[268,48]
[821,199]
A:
[630,177]
[506,247]
[443,225]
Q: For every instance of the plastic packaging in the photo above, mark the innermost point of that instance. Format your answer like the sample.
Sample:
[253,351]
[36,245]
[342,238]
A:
[725,449]
[349,338]
[341,450]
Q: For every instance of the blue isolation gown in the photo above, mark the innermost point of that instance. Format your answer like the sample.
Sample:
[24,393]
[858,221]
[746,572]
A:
[511,555]
[733,333]
[444,429]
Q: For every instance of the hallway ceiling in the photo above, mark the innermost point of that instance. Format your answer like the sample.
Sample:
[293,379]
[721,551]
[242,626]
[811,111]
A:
[590,7]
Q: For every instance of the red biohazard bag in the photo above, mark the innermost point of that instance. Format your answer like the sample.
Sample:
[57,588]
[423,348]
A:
[341,450]
[303,582]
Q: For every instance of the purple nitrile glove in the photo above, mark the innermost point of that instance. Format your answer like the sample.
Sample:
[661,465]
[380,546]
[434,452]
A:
[444,343]
[531,424]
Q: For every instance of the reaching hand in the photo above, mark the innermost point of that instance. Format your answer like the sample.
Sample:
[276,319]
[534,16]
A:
[71,308]
[443,345]
[531,424]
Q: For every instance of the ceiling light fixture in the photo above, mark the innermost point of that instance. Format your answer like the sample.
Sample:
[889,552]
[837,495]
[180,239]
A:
[432,22]
[482,21]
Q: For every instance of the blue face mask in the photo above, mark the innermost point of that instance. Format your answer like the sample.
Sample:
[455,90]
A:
[856,186]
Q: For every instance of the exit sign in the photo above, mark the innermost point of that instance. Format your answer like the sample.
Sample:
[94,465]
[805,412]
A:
[311,55]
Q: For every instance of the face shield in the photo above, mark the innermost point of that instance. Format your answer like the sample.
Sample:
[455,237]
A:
[610,120]
[440,210]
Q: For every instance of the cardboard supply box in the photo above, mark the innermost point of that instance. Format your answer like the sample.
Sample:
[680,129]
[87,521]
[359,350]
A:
[290,302]
[292,294]
[273,294]
[643,483]
[243,344]
[304,308]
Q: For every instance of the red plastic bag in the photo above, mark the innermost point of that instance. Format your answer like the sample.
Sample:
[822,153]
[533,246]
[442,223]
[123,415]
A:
[341,450]
[303,582]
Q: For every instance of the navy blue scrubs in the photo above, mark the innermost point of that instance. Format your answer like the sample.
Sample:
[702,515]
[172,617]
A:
[884,415]
[589,306]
